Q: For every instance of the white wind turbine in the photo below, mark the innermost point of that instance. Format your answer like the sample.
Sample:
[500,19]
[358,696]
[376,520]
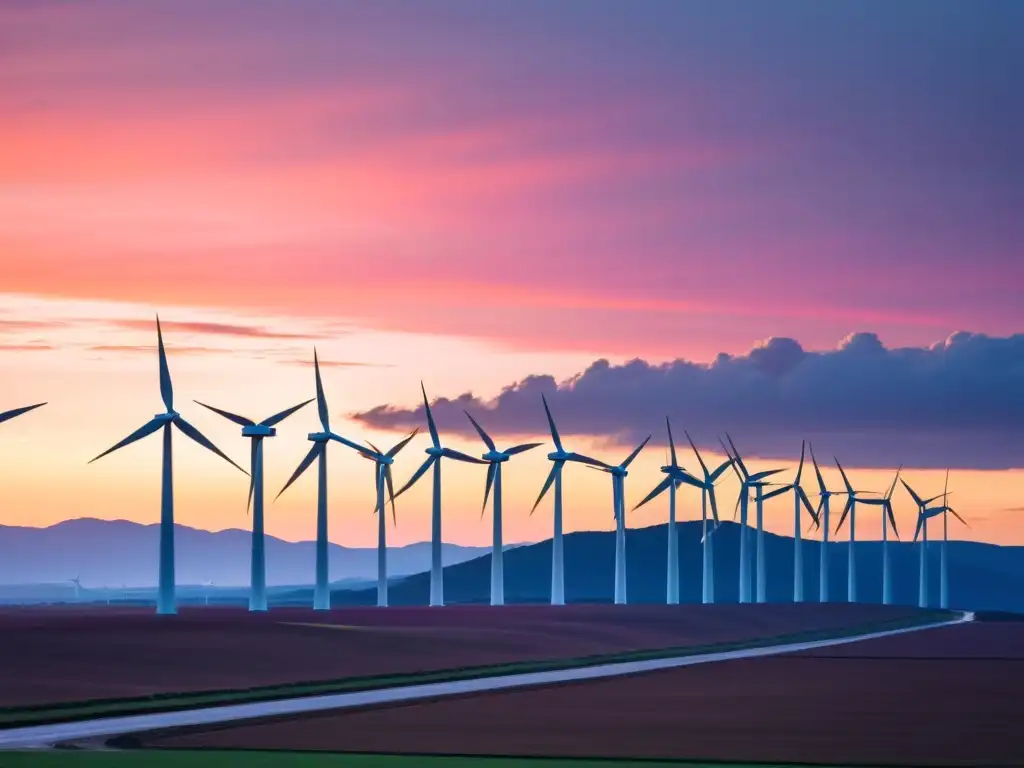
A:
[707,540]
[77,581]
[851,509]
[799,497]
[435,452]
[494,459]
[922,524]
[558,458]
[382,461]
[619,473]
[823,512]
[922,528]
[887,517]
[674,475]
[256,432]
[165,603]
[757,482]
[318,453]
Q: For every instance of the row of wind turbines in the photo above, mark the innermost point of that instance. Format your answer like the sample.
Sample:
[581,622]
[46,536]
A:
[755,484]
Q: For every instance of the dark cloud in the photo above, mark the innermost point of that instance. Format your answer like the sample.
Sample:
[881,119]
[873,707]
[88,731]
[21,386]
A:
[957,403]
[208,329]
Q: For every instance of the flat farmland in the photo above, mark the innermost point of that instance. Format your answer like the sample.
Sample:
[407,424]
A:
[940,697]
[50,655]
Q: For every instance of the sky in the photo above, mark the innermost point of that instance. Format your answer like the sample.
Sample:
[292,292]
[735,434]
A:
[785,220]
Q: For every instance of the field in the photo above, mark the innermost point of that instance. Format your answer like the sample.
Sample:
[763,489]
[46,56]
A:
[51,655]
[939,697]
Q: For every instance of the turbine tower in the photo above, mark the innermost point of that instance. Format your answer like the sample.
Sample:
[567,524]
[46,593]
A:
[435,452]
[747,481]
[494,459]
[887,517]
[707,488]
[165,603]
[558,459]
[823,510]
[619,474]
[851,509]
[256,432]
[382,462]
[943,557]
[318,453]
[674,475]
[799,497]
[922,528]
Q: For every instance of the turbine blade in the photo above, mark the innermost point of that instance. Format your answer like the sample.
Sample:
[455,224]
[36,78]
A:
[817,471]
[945,486]
[147,429]
[451,453]
[953,511]
[189,431]
[321,399]
[807,505]
[777,492]
[483,435]
[434,439]
[252,472]
[277,418]
[917,499]
[703,466]
[682,476]
[846,511]
[718,472]
[8,415]
[491,469]
[920,524]
[893,486]
[166,390]
[800,467]
[659,488]
[310,457]
[736,456]
[763,475]
[714,505]
[368,453]
[671,442]
[521,448]
[849,488]
[636,452]
[556,467]
[417,475]
[399,446]
[391,493]
[579,458]
[892,518]
[551,423]
[240,420]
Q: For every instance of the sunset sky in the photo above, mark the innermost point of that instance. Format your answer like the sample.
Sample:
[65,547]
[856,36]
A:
[782,219]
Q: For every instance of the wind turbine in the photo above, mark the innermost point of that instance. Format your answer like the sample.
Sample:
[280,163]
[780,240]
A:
[887,517]
[382,461]
[165,603]
[619,474]
[799,497]
[558,459]
[943,557]
[206,592]
[256,433]
[823,510]
[674,475]
[78,587]
[748,481]
[318,453]
[707,488]
[435,452]
[851,509]
[922,528]
[494,459]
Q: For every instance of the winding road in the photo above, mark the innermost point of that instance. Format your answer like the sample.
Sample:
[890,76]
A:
[42,736]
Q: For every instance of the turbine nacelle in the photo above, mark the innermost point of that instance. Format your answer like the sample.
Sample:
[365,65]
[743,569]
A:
[167,417]
[434,451]
[319,437]
[495,457]
[258,430]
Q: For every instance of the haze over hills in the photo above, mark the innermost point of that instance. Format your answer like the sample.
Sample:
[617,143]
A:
[116,552]
[982,576]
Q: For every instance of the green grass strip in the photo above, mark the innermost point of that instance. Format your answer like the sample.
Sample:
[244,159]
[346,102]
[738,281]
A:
[250,759]
[47,714]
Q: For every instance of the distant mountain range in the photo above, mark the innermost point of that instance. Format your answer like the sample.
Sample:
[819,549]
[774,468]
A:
[116,552]
[982,576]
